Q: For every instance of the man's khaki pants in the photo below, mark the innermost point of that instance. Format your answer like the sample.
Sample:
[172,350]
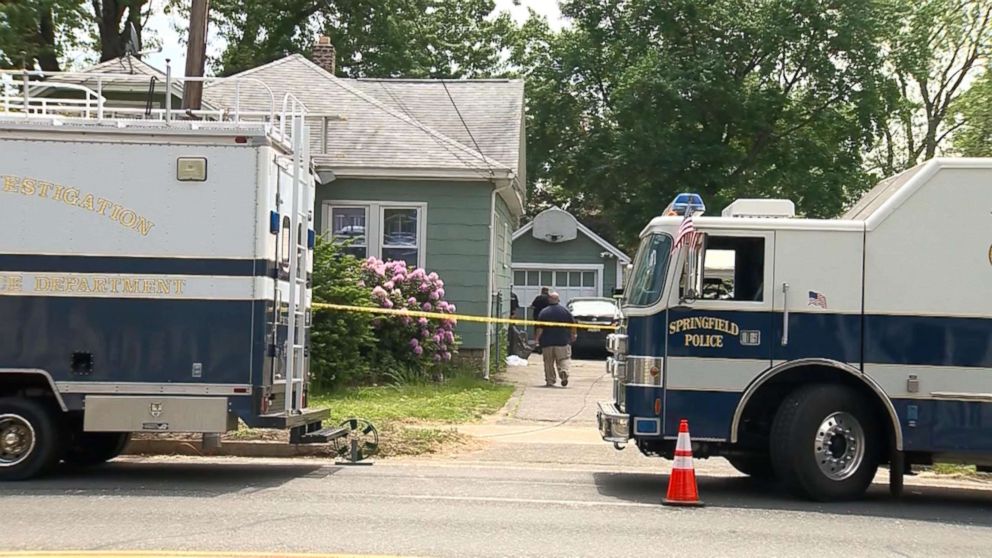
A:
[556,356]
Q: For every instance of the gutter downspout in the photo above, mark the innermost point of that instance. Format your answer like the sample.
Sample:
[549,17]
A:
[492,272]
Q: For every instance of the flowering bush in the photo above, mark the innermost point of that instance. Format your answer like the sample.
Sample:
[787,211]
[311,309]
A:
[411,340]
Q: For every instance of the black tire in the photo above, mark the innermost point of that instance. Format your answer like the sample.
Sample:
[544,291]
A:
[794,444]
[758,467]
[22,418]
[89,449]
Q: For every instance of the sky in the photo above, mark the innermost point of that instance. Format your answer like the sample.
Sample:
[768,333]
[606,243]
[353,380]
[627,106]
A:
[163,26]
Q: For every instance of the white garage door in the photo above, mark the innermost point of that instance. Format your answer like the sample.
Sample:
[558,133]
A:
[569,282]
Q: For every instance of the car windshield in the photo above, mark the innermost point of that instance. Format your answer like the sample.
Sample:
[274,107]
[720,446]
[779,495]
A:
[593,307]
[650,267]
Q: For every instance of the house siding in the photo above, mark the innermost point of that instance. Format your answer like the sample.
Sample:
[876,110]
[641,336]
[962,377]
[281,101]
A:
[457,236]
[581,250]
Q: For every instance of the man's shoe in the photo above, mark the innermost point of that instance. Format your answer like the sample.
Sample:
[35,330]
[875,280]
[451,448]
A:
[564,382]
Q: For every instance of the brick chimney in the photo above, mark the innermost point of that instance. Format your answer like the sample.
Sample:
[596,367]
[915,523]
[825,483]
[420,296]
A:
[323,54]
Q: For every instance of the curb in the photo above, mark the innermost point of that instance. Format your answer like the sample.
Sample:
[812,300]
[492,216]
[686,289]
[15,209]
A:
[228,448]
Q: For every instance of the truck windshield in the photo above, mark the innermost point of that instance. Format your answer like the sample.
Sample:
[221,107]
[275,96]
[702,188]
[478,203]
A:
[650,268]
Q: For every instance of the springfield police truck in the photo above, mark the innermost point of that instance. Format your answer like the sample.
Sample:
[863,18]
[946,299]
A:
[814,351]
[154,272]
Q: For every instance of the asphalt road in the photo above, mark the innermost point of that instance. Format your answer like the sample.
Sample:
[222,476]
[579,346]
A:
[467,509]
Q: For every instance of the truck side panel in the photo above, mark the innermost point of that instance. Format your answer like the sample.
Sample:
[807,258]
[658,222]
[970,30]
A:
[928,337]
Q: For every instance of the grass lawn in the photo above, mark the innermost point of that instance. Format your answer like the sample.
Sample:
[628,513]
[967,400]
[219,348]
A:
[411,419]
[460,399]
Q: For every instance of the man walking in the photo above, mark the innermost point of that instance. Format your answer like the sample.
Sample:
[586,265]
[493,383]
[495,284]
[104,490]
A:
[556,341]
[539,303]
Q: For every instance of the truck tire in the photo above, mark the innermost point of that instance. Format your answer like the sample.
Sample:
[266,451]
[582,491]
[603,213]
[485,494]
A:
[758,467]
[826,443]
[29,438]
[89,449]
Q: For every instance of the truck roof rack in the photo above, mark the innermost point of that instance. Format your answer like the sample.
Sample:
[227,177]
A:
[78,99]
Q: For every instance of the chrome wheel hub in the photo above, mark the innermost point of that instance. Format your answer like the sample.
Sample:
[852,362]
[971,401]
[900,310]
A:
[17,440]
[839,446]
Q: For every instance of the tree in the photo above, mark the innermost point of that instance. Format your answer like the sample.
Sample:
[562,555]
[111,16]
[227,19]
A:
[42,31]
[112,20]
[639,100]
[973,110]
[937,49]
[381,38]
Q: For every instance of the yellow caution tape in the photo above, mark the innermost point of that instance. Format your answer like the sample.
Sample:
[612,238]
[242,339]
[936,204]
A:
[458,317]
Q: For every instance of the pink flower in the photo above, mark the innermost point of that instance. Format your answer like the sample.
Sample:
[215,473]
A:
[387,303]
[437,358]
[399,278]
[440,293]
[407,321]
[414,342]
[418,350]
[424,333]
[422,321]
[427,307]
[443,306]
[380,269]
[411,301]
[434,296]
[440,283]
[449,336]
[437,338]
[432,276]
[451,308]
[389,285]
[379,292]
[424,287]
[446,355]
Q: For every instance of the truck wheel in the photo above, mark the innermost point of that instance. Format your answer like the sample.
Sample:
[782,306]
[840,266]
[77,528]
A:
[758,467]
[29,439]
[93,448]
[825,442]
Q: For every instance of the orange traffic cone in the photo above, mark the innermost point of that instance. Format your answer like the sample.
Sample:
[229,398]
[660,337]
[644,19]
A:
[682,482]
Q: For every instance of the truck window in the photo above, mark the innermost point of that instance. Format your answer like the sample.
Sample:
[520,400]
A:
[734,269]
[287,240]
[647,280]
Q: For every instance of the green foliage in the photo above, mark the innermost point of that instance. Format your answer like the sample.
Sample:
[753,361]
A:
[640,100]
[974,111]
[42,30]
[340,341]
[373,38]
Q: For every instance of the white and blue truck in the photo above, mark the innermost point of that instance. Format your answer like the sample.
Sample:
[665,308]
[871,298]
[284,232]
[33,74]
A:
[155,270]
[815,351]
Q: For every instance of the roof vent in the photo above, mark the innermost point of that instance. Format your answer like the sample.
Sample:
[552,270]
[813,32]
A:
[760,208]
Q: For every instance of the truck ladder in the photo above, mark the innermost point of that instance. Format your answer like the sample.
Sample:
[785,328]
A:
[302,213]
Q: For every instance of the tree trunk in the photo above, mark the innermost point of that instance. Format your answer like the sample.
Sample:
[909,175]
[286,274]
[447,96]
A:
[112,25]
[47,58]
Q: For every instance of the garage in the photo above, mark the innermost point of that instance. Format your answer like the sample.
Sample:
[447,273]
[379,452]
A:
[556,251]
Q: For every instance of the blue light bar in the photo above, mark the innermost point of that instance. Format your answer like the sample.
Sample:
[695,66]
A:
[685,202]
[311,238]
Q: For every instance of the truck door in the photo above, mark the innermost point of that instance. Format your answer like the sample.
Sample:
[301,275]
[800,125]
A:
[818,296]
[723,339]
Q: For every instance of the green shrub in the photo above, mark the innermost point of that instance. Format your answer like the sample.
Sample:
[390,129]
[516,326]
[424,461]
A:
[340,341]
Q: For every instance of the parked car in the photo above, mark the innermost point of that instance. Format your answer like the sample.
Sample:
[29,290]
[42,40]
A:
[593,311]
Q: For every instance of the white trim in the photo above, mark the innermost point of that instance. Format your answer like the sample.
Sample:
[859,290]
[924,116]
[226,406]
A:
[530,266]
[325,165]
[586,231]
[374,211]
[153,388]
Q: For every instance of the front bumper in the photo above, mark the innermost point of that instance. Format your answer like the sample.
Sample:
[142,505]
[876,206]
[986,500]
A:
[614,425]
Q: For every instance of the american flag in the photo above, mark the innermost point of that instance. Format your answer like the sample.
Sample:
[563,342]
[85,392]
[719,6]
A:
[817,299]
[687,232]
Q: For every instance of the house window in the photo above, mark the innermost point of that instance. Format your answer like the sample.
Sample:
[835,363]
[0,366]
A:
[385,230]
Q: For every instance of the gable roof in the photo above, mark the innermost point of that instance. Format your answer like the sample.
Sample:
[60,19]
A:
[492,110]
[365,132]
[584,230]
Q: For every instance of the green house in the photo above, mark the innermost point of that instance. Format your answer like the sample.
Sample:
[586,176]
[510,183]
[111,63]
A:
[426,171]
[556,251]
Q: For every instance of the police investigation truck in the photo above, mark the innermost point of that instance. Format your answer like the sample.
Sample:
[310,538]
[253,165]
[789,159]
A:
[154,271]
[814,351]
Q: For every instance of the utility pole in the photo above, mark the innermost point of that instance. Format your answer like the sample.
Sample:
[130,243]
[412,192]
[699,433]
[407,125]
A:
[196,54]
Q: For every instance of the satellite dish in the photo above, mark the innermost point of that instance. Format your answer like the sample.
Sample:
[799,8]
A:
[132,40]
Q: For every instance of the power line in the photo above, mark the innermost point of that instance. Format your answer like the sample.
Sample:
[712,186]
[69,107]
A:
[465,125]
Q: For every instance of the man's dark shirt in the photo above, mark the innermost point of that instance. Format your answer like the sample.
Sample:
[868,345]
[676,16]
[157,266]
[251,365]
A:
[556,336]
[540,303]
